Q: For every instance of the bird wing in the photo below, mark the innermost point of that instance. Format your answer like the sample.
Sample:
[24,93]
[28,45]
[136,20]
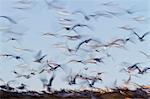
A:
[145,34]
[85,41]
[144,54]
[10,19]
[79,45]
[136,34]
[38,55]
[145,69]
[51,80]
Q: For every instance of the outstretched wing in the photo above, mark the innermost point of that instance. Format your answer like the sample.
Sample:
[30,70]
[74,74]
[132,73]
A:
[38,55]
[85,41]
[145,34]
[136,34]
[145,69]
[10,19]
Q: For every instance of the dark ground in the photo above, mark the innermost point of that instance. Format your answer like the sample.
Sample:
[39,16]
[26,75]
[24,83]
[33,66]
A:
[139,93]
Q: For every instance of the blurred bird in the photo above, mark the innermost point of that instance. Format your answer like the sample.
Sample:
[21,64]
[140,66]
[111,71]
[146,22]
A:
[22,87]
[49,85]
[144,70]
[78,61]
[22,75]
[39,57]
[6,55]
[24,1]
[10,19]
[127,28]
[114,13]
[145,54]
[52,4]
[86,17]
[74,37]
[22,49]
[130,68]
[130,11]
[133,67]
[73,28]
[95,60]
[50,34]
[141,38]
[111,3]
[140,19]
[13,39]
[13,56]
[53,68]
[92,79]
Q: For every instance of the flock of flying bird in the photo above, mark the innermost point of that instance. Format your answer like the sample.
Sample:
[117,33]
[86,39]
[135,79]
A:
[85,41]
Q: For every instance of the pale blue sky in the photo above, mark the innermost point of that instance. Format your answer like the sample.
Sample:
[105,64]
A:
[39,19]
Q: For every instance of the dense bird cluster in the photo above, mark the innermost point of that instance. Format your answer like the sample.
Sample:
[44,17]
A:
[75,41]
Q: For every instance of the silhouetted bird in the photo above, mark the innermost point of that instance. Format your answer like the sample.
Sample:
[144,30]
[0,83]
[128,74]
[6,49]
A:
[141,38]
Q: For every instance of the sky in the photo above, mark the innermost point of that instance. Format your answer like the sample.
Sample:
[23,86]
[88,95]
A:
[39,18]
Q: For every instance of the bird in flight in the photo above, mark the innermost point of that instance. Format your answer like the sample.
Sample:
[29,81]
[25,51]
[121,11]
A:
[96,59]
[140,18]
[27,76]
[52,4]
[131,68]
[127,28]
[81,43]
[39,57]
[10,19]
[109,3]
[53,68]
[18,57]
[73,28]
[12,56]
[91,79]
[49,34]
[86,17]
[6,55]
[77,61]
[13,39]
[47,84]
[145,54]
[144,70]
[22,49]
[74,37]
[141,38]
